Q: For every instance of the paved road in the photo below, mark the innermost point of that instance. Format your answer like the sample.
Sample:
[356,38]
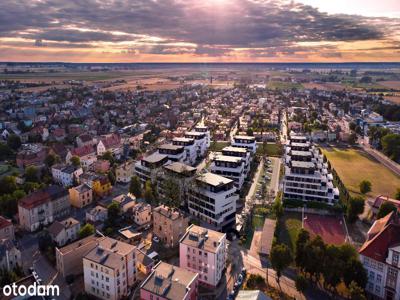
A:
[383,159]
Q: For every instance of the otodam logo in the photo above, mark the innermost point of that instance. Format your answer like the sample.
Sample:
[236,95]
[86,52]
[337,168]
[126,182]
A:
[31,290]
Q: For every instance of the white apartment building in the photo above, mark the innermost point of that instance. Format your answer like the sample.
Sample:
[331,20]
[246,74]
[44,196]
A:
[306,174]
[243,153]
[148,167]
[190,149]
[231,167]
[203,251]
[109,269]
[200,142]
[65,174]
[380,256]
[174,152]
[212,200]
[245,141]
[204,129]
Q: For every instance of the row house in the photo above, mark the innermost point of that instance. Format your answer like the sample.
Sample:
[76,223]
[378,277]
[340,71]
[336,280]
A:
[43,207]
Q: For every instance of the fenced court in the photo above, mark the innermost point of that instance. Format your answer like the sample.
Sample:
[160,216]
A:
[332,229]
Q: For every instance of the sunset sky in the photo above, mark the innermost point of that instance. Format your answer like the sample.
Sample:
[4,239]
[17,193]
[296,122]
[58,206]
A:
[200,31]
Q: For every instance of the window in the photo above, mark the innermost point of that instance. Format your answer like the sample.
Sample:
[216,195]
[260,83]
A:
[371,275]
[395,259]
[377,289]
[378,278]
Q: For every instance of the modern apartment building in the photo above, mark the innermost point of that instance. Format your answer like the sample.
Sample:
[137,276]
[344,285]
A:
[204,129]
[307,177]
[380,256]
[231,167]
[42,207]
[174,152]
[245,141]
[81,195]
[190,149]
[243,153]
[169,225]
[200,142]
[110,269]
[212,200]
[169,282]
[148,167]
[204,251]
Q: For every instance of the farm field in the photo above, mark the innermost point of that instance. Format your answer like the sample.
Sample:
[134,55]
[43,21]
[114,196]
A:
[393,99]
[283,85]
[391,84]
[354,165]
[329,86]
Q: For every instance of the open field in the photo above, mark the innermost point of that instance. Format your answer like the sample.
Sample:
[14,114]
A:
[354,165]
[329,86]
[288,229]
[331,229]
[391,84]
[393,99]
[271,149]
[283,85]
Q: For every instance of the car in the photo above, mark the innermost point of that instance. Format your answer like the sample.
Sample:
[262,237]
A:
[244,271]
[240,280]
[147,227]
[156,239]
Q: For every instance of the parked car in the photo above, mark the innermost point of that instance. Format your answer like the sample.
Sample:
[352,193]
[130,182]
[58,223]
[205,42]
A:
[156,239]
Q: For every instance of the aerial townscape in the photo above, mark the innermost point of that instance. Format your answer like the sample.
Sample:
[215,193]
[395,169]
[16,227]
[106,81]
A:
[184,150]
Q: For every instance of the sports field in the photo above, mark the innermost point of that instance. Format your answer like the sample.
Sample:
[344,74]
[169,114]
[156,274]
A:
[354,165]
[331,229]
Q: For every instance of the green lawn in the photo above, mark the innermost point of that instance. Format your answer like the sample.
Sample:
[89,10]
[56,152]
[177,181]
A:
[354,165]
[256,222]
[288,229]
[218,146]
[283,85]
[271,149]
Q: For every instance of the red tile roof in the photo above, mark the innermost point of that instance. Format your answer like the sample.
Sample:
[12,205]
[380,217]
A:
[4,222]
[82,151]
[387,234]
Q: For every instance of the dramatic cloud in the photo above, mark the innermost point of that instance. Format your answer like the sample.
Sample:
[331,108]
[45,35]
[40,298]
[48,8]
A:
[220,28]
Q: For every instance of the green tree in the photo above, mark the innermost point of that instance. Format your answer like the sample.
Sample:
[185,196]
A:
[365,186]
[32,174]
[50,160]
[280,258]
[149,193]
[314,248]
[391,146]
[356,292]
[111,177]
[5,151]
[352,138]
[301,283]
[108,156]
[397,195]
[278,206]
[7,185]
[300,255]
[86,230]
[76,161]
[385,209]
[249,131]
[113,211]
[354,271]
[332,267]
[135,187]
[14,141]
[172,193]
[355,207]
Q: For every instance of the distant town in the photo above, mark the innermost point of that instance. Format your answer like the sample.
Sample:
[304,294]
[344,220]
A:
[200,181]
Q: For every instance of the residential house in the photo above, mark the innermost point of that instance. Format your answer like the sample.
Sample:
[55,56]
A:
[66,175]
[43,207]
[125,171]
[97,215]
[169,225]
[110,142]
[203,251]
[65,231]
[10,255]
[141,213]
[81,195]
[6,229]
[170,282]
[148,167]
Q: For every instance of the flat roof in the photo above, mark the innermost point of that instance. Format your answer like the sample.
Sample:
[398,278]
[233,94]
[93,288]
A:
[182,139]
[196,133]
[300,153]
[244,137]
[213,179]
[235,149]
[300,144]
[170,147]
[155,157]
[228,158]
[303,164]
[180,168]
